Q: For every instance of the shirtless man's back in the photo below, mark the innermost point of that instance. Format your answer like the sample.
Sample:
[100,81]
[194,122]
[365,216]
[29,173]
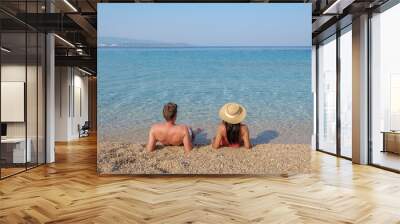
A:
[169,133]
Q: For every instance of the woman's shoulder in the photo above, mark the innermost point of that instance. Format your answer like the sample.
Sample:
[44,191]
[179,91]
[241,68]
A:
[221,126]
[244,127]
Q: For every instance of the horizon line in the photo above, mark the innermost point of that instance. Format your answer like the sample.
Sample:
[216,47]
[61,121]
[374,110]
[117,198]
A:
[210,46]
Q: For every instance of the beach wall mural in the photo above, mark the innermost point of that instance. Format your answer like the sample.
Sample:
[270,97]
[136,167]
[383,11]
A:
[204,88]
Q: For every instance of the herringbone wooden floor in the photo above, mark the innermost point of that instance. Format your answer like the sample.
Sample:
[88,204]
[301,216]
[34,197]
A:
[70,191]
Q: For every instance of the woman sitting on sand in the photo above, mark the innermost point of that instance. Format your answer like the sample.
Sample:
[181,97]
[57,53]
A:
[231,132]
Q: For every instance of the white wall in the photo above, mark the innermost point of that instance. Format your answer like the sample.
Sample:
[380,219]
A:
[81,83]
[10,73]
[17,73]
[70,83]
[62,82]
[33,127]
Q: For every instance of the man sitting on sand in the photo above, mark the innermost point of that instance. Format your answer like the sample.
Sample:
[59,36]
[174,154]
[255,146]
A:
[169,133]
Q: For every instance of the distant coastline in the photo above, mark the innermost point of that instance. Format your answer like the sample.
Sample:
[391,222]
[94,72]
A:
[117,42]
[270,47]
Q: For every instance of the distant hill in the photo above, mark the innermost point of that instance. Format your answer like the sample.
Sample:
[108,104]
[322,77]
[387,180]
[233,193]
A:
[126,42]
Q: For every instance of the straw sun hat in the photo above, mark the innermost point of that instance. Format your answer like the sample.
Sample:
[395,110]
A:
[232,113]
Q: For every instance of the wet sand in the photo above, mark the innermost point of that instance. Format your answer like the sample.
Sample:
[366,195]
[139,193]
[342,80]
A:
[262,159]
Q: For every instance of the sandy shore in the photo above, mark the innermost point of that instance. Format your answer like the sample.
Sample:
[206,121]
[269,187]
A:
[263,159]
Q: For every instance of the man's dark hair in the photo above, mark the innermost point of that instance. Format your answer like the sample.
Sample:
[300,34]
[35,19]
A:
[169,111]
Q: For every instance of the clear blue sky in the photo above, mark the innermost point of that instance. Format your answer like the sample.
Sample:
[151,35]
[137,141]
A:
[237,24]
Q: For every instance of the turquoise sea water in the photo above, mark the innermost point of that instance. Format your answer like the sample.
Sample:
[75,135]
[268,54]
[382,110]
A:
[274,84]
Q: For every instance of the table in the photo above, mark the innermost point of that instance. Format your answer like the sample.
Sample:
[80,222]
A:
[391,141]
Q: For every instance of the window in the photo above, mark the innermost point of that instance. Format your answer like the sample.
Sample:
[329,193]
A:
[22,88]
[346,92]
[385,89]
[327,95]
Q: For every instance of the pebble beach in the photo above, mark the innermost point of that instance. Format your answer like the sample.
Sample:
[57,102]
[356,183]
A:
[262,159]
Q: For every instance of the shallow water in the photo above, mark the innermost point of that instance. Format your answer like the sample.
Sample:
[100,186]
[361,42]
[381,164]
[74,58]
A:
[274,84]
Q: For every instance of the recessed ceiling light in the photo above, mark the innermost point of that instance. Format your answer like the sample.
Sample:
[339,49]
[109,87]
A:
[64,40]
[84,71]
[70,5]
[338,6]
[5,50]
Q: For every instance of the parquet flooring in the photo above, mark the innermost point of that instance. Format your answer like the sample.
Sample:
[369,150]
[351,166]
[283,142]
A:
[70,191]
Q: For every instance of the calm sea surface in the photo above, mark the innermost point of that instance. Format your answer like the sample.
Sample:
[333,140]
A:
[274,84]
